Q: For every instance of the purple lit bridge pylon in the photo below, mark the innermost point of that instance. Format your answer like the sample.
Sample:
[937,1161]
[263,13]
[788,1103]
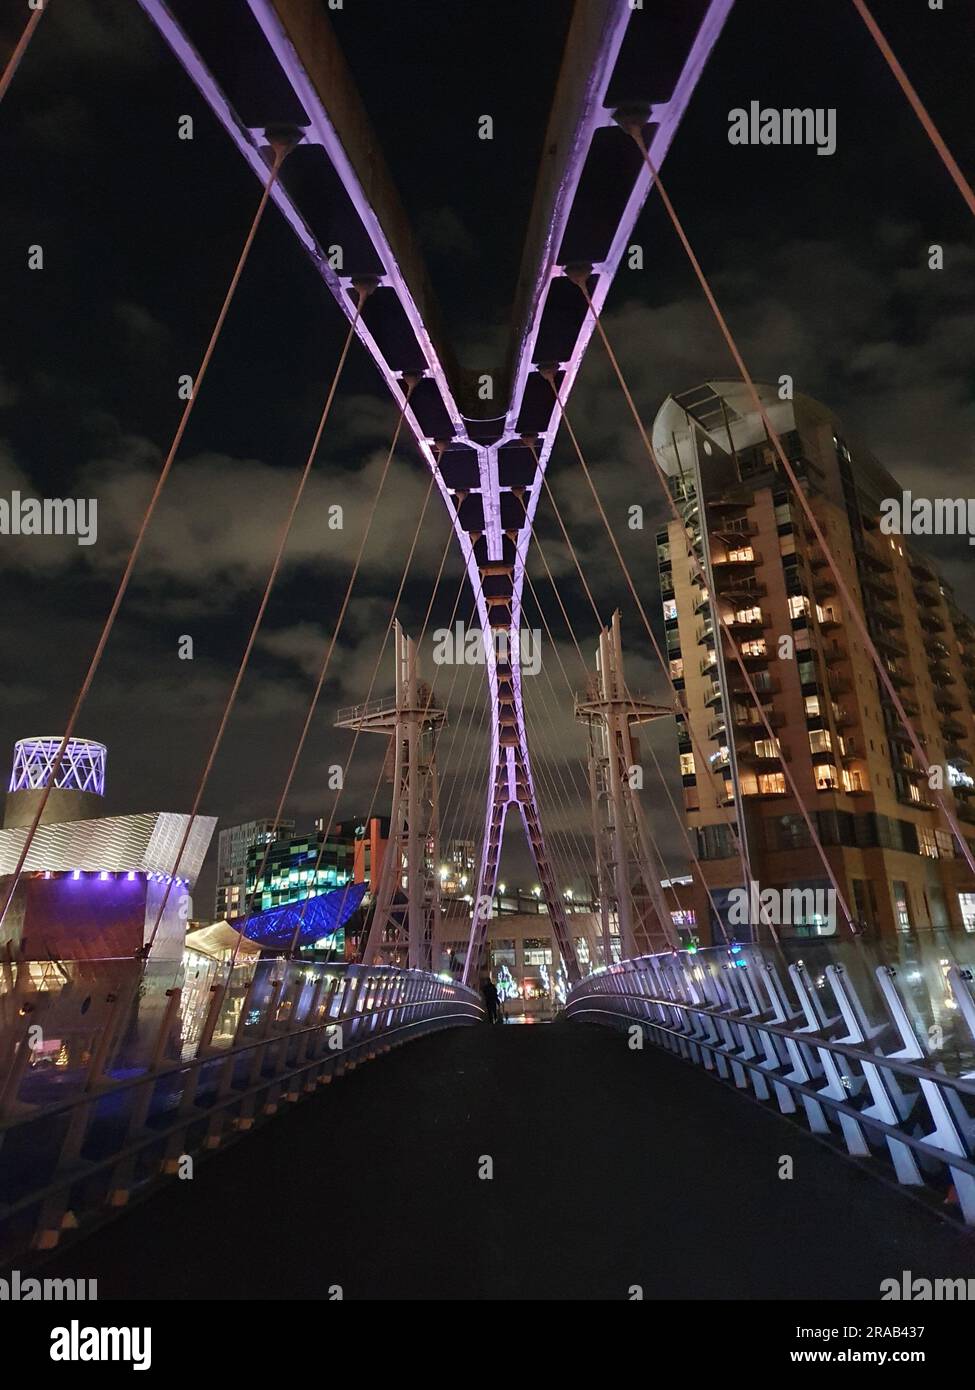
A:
[276,63]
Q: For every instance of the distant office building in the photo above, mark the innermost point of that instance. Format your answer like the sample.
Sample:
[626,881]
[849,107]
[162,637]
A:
[369,839]
[458,868]
[303,866]
[767,581]
[233,846]
[295,867]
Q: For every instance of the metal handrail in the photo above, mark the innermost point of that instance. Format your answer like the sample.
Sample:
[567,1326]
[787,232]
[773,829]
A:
[831,1065]
[333,1019]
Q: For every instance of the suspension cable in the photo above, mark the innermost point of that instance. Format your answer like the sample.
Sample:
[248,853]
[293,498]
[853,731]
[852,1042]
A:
[231,701]
[358,731]
[853,609]
[281,148]
[679,704]
[920,110]
[679,818]
[722,628]
[410,382]
[13,62]
[419,642]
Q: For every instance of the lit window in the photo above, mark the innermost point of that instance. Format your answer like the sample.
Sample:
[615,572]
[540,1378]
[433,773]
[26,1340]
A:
[812,706]
[926,842]
[754,648]
[798,606]
[820,741]
[826,778]
[677,668]
[741,554]
[772,783]
[748,615]
[966,902]
[767,748]
[670,609]
[687,768]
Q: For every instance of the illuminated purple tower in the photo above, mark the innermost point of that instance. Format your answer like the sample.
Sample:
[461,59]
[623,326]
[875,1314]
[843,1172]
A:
[78,787]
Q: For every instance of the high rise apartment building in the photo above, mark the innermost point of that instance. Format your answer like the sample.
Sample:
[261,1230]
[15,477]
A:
[832,722]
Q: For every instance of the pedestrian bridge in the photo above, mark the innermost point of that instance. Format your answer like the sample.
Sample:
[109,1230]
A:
[700,1125]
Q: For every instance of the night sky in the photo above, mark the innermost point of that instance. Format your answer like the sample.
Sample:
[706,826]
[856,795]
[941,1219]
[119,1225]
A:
[819,262]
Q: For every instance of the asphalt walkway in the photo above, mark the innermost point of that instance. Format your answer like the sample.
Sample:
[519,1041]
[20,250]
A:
[611,1169]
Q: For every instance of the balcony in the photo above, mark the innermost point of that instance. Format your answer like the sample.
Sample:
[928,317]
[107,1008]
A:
[736,560]
[878,584]
[824,586]
[762,683]
[747,720]
[898,734]
[843,718]
[744,626]
[945,701]
[701,602]
[739,588]
[709,665]
[889,644]
[748,757]
[742,499]
[931,598]
[705,633]
[952,727]
[717,728]
[733,526]
[837,685]
[712,695]
[921,569]
[885,617]
[931,621]
[911,708]
[874,558]
[955,753]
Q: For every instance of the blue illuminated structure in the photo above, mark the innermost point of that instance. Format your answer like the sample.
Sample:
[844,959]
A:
[82,768]
[324,915]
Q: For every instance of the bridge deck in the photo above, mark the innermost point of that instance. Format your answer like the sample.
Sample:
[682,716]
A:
[611,1168]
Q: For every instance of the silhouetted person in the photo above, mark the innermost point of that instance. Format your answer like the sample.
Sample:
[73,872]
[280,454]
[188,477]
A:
[491,1001]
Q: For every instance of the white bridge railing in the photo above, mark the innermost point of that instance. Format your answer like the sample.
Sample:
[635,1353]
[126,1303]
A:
[809,1045]
[113,1073]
